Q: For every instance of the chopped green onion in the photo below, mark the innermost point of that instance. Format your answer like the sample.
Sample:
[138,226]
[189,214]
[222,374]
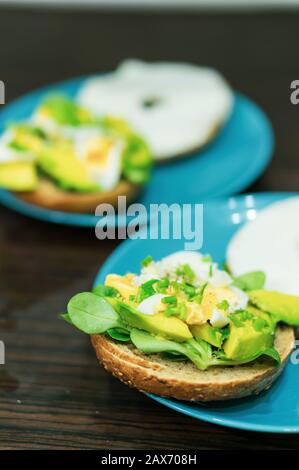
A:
[162,285]
[223,305]
[199,296]
[146,261]
[206,259]
[146,290]
[186,272]
[170,300]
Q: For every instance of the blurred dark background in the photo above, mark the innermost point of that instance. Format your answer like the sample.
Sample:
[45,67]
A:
[255,50]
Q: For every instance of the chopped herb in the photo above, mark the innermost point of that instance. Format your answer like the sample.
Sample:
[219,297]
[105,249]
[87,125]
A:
[169,300]
[146,261]
[211,270]
[186,272]
[206,259]
[239,317]
[223,305]
[132,298]
[183,312]
[199,296]
[189,290]
[162,285]
[259,324]
[171,311]
[146,290]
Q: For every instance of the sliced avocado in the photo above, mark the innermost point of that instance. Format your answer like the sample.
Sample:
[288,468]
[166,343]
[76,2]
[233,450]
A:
[64,111]
[27,138]
[283,307]
[18,176]
[60,163]
[208,333]
[247,340]
[158,324]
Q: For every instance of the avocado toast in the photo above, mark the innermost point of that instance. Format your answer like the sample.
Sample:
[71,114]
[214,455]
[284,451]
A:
[186,329]
[64,158]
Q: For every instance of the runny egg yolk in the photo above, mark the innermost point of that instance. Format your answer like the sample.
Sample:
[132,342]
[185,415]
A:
[97,152]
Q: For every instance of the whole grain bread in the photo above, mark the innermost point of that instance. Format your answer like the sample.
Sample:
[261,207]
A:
[50,196]
[182,380]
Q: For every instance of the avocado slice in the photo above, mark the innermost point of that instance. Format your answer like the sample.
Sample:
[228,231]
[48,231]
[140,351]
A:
[246,340]
[158,324]
[27,138]
[64,111]
[208,333]
[60,163]
[283,307]
[18,176]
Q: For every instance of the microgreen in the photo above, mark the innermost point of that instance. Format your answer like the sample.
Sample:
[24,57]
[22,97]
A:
[146,261]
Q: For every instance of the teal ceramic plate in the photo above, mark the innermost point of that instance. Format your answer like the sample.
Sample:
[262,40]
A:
[276,410]
[232,161]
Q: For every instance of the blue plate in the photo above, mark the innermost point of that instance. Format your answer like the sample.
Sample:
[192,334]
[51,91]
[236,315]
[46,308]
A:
[229,164]
[276,410]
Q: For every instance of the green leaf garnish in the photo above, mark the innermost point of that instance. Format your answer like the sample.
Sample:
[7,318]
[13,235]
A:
[198,352]
[66,317]
[119,334]
[250,281]
[92,314]
[106,291]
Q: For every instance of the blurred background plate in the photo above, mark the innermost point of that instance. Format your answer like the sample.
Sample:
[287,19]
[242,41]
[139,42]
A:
[230,163]
[275,410]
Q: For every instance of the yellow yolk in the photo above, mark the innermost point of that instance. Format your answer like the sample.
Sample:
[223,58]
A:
[97,152]
[196,314]
[123,284]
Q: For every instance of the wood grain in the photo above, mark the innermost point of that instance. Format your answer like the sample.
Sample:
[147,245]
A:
[52,392]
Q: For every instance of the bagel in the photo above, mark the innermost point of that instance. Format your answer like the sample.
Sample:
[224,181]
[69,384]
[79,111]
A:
[183,380]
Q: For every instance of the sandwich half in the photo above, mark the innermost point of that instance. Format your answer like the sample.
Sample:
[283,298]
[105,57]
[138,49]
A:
[184,328]
[64,158]
[183,380]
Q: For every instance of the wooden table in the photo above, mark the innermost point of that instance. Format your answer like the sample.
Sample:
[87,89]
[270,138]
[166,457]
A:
[52,392]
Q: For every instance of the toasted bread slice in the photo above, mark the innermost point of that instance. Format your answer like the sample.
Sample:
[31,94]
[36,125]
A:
[52,197]
[182,380]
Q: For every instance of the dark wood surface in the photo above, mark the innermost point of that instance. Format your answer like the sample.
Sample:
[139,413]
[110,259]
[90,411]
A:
[52,392]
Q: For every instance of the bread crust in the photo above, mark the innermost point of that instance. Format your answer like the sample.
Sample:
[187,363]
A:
[50,196]
[153,374]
